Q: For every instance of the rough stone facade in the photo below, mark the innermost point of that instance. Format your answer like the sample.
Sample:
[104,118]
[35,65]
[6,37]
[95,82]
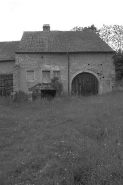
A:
[99,64]
[7,67]
[71,53]
[39,62]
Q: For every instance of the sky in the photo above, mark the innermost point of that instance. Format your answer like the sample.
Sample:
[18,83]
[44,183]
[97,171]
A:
[17,16]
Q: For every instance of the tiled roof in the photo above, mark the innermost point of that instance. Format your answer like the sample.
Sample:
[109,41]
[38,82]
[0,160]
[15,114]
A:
[7,50]
[62,41]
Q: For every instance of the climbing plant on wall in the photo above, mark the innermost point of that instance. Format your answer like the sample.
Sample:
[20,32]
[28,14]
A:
[118,62]
[57,85]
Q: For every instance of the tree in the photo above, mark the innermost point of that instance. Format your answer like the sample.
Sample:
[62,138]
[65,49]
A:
[92,27]
[113,36]
[76,28]
[118,62]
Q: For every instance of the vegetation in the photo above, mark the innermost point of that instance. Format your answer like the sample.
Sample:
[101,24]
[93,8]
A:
[20,96]
[118,61]
[68,141]
[35,94]
[57,85]
[111,34]
[92,27]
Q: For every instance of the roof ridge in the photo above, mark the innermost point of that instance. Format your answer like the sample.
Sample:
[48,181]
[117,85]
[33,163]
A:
[62,41]
[9,41]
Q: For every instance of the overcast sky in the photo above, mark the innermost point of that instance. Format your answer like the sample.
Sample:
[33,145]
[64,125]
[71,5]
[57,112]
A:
[17,16]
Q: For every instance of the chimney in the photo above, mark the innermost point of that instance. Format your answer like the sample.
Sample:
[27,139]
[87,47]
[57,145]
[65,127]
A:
[46,27]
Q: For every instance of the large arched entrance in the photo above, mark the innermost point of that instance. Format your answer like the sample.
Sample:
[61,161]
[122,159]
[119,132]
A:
[85,84]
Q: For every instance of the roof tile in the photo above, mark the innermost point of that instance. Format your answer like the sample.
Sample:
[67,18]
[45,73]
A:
[62,41]
[7,50]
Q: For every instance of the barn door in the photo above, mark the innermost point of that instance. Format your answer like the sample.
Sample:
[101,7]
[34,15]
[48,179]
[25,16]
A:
[85,84]
[6,84]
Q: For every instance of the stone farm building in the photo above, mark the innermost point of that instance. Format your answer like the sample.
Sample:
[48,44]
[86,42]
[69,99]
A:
[81,60]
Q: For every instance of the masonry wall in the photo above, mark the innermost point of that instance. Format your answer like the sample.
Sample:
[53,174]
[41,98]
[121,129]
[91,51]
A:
[39,62]
[101,65]
[7,67]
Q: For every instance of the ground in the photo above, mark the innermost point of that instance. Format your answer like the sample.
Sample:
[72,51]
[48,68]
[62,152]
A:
[65,141]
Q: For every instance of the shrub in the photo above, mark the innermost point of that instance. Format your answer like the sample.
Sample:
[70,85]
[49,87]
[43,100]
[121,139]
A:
[20,96]
[35,94]
[57,85]
[118,62]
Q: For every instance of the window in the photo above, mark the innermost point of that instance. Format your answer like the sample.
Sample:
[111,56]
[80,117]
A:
[30,76]
[46,76]
[56,74]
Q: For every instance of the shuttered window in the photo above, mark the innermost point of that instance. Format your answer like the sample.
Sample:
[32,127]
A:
[30,76]
[56,74]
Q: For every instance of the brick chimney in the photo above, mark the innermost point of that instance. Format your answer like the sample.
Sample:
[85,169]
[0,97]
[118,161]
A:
[46,27]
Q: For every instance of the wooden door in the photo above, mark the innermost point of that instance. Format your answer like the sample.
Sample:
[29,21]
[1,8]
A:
[6,84]
[85,84]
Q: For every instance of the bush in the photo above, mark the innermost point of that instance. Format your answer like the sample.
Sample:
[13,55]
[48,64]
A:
[57,85]
[35,94]
[118,62]
[20,96]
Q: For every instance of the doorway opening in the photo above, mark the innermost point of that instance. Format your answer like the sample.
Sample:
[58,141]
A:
[48,94]
[85,84]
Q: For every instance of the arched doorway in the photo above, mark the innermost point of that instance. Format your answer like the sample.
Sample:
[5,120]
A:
[85,84]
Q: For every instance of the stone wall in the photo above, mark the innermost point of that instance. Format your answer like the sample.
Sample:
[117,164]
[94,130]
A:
[39,62]
[7,67]
[99,64]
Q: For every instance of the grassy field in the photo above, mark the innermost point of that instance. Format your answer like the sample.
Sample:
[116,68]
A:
[66,141]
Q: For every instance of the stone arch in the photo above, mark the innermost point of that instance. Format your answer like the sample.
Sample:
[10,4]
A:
[86,72]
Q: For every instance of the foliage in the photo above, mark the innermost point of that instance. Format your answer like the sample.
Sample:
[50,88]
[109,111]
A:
[57,85]
[20,96]
[35,94]
[92,27]
[77,28]
[118,62]
[113,36]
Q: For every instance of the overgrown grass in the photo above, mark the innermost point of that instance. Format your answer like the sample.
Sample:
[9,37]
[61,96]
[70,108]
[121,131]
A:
[66,141]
